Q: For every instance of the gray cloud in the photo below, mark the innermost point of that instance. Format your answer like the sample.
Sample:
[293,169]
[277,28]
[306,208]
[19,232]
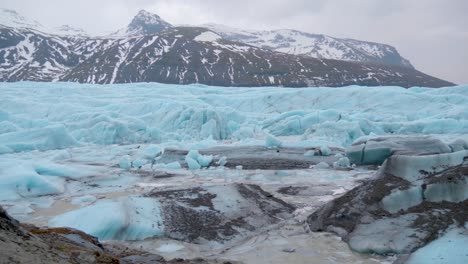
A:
[433,34]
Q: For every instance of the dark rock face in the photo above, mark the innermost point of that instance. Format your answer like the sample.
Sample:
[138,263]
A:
[219,213]
[176,56]
[414,198]
[145,23]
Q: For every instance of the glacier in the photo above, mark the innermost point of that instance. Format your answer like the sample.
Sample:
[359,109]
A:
[42,117]
[120,161]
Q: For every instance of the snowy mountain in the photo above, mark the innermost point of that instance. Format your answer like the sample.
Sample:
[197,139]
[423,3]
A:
[314,45]
[11,18]
[180,55]
[144,23]
[67,30]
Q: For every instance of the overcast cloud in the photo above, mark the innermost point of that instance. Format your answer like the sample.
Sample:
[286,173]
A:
[433,34]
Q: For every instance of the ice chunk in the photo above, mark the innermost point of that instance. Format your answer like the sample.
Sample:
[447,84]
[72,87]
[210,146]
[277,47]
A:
[322,165]
[413,168]
[138,163]
[152,151]
[272,142]
[376,150]
[24,181]
[455,191]
[459,145]
[125,162]
[310,153]
[205,160]
[340,155]
[384,236]
[201,160]
[128,218]
[244,133]
[368,154]
[325,150]
[38,139]
[451,248]
[222,161]
[173,165]
[192,164]
[402,199]
[342,163]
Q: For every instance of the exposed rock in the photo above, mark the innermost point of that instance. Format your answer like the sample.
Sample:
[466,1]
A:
[174,56]
[412,200]
[219,213]
[314,45]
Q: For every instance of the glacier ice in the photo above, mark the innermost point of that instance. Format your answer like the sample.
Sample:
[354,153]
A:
[19,179]
[128,218]
[450,248]
[403,199]
[272,142]
[125,162]
[139,162]
[342,163]
[152,151]
[412,168]
[158,113]
[322,165]
[376,150]
[196,161]
[386,235]
[192,164]
[325,150]
[36,139]
[99,144]
[173,166]
[454,191]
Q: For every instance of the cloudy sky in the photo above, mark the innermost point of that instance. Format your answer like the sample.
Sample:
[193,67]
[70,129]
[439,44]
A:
[433,34]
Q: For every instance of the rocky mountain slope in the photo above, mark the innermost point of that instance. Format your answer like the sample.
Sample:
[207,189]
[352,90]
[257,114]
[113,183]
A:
[144,23]
[151,50]
[314,45]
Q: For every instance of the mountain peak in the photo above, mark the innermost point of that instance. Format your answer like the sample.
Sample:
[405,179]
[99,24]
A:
[147,23]
[144,13]
[11,18]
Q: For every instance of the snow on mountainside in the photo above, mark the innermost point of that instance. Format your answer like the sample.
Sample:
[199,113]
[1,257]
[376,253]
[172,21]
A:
[314,45]
[144,23]
[11,18]
[67,30]
[151,50]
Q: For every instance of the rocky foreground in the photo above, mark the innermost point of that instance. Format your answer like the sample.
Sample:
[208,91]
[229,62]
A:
[29,244]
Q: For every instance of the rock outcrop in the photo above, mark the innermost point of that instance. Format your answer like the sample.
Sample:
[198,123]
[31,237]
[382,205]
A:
[420,192]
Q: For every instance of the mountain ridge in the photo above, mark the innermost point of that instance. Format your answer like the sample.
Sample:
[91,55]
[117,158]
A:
[181,55]
[315,45]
